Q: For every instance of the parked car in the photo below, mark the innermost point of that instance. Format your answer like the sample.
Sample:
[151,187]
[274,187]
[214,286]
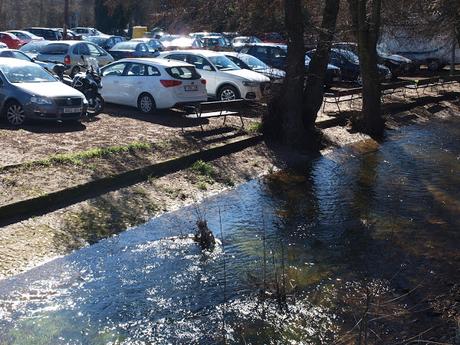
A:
[275,55]
[29,92]
[154,44]
[87,31]
[17,54]
[11,40]
[105,42]
[70,53]
[130,49]
[150,84]
[348,62]
[246,61]
[47,33]
[214,42]
[71,35]
[26,36]
[397,64]
[272,37]
[224,79]
[244,40]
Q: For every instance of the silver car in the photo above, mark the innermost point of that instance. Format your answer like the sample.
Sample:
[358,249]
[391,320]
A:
[70,53]
[28,91]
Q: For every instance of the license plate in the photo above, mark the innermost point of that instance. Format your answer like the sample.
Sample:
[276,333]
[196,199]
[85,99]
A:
[72,110]
[191,87]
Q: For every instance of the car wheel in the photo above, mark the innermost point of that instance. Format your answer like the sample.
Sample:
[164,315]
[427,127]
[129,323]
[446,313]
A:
[15,114]
[146,103]
[228,93]
[95,106]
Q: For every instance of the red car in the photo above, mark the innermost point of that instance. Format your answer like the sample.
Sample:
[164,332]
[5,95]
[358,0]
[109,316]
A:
[11,40]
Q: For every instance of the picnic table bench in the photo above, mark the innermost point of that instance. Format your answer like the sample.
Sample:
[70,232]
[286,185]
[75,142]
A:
[338,96]
[433,82]
[207,110]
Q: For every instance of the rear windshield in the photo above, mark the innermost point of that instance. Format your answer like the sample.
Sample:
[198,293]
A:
[183,72]
[34,46]
[126,45]
[55,49]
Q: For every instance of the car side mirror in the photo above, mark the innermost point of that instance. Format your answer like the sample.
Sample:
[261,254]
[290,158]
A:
[207,68]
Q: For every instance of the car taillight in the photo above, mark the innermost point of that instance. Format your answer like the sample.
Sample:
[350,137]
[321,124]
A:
[203,81]
[170,83]
[67,60]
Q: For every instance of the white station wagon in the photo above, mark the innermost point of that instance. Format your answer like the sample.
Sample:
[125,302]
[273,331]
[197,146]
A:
[225,81]
[150,84]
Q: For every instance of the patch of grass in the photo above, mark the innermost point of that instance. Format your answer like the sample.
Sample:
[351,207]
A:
[255,127]
[76,158]
[203,168]
[202,185]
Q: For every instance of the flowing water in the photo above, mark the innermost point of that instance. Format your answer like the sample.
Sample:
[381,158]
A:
[363,216]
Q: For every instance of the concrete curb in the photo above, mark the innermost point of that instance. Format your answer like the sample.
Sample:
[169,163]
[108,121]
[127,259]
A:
[21,210]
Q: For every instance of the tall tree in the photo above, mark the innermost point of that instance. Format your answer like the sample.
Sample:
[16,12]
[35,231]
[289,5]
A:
[314,90]
[366,15]
[293,132]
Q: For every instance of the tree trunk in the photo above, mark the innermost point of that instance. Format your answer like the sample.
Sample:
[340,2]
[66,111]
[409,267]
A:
[314,91]
[293,133]
[366,22]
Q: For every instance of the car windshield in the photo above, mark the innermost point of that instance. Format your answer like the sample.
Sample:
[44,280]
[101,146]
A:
[223,63]
[254,63]
[125,46]
[97,39]
[350,56]
[241,40]
[183,72]
[55,49]
[26,74]
[33,46]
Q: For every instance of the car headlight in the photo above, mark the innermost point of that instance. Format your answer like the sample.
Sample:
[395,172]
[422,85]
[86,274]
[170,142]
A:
[85,101]
[41,100]
[250,83]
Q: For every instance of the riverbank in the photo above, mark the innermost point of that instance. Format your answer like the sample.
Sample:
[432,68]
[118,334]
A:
[28,243]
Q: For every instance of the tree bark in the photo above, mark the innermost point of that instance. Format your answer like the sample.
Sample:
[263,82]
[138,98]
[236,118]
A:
[293,133]
[314,90]
[366,23]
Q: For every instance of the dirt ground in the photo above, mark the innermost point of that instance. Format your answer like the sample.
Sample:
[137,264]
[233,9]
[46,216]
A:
[25,244]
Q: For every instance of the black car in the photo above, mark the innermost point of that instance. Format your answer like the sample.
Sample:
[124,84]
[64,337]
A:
[131,49]
[348,62]
[47,33]
[397,64]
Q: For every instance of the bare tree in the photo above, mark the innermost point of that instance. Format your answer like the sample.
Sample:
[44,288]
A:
[366,15]
[314,91]
[293,132]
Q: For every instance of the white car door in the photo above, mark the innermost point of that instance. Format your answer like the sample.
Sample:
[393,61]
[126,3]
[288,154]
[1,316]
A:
[112,77]
[206,70]
[134,82]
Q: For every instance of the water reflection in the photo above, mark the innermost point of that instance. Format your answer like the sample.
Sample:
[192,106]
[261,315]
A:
[385,221]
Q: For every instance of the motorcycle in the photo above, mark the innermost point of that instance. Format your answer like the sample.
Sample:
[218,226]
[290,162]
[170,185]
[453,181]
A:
[87,81]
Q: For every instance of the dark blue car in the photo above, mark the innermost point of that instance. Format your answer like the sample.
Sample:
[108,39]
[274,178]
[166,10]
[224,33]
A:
[131,49]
